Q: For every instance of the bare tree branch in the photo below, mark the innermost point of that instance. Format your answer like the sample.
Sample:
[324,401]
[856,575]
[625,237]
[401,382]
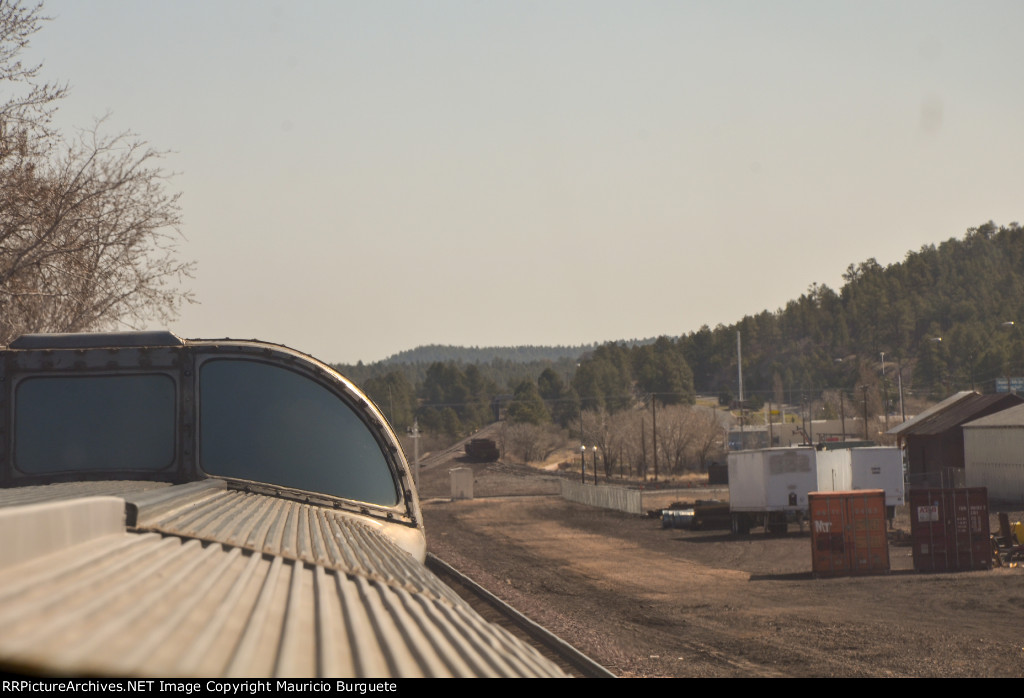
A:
[89,227]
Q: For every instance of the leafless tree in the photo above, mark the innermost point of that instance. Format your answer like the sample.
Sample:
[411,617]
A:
[88,227]
[633,441]
[621,443]
[27,104]
[687,438]
[675,435]
[532,443]
[597,429]
[709,433]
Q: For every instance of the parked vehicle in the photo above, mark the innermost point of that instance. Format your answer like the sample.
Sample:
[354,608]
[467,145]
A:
[702,514]
[215,507]
[769,487]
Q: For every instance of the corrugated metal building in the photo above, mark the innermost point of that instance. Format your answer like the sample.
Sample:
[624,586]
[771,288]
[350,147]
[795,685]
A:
[994,454]
[934,439]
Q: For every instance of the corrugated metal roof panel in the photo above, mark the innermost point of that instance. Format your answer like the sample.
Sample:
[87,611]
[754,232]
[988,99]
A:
[151,604]
[961,412]
[931,411]
[70,490]
[292,530]
[1010,417]
[36,530]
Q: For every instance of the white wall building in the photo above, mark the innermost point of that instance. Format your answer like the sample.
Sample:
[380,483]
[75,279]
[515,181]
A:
[994,454]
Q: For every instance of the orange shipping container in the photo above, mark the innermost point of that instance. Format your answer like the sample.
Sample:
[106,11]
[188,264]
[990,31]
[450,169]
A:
[848,532]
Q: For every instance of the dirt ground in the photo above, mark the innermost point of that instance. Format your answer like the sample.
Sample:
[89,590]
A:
[651,602]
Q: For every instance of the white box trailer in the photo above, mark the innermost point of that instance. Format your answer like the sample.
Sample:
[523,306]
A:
[879,468]
[768,487]
[834,471]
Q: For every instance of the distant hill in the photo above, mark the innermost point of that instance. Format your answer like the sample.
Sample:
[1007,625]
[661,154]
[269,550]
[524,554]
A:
[947,317]
[504,366]
[486,355]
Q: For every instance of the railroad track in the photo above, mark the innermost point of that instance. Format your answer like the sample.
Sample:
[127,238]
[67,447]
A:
[497,611]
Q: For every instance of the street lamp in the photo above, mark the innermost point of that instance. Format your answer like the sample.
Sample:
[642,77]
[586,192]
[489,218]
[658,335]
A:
[595,465]
[1014,325]
[583,464]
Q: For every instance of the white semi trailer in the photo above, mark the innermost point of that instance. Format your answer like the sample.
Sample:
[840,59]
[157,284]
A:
[768,487]
[880,468]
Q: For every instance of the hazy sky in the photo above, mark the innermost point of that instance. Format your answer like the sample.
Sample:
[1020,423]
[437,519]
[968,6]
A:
[364,177]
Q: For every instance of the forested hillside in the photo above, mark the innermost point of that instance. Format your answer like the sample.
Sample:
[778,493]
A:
[944,314]
[945,318]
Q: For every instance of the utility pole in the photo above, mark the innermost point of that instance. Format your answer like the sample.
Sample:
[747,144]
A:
[885,395]
[654,433]
[416,451]
[865,389]
[842,414]
[739,367]
[899,380]
[643,447]
[583,446]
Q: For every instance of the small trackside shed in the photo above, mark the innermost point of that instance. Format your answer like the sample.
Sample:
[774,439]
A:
[994,454]
[934,440]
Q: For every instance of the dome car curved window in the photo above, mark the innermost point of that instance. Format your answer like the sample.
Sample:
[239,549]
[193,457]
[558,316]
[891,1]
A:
[269,424]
